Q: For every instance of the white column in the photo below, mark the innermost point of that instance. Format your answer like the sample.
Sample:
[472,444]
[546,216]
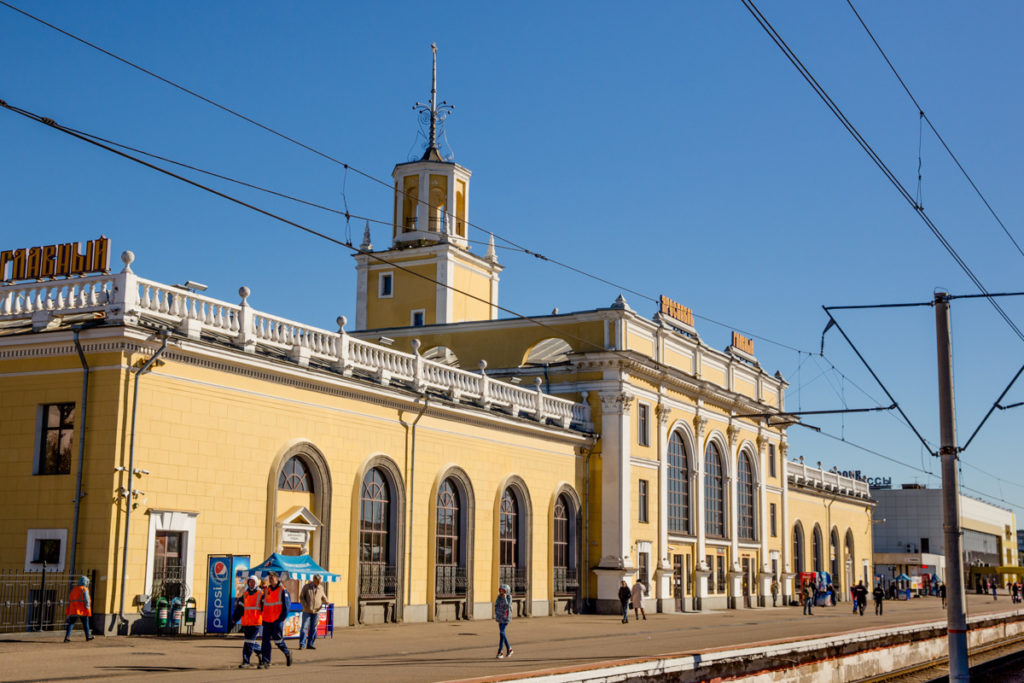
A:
[765,582]
[735,578]
[787,568]
[616,562]
[666,603]
[697,512]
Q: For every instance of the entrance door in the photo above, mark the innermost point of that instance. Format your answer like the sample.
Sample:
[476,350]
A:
[746,581]
[677,581]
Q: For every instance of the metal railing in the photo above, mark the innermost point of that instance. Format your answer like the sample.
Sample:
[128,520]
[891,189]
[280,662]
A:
[34,601]
[566,580]
[169,582]
[377,580]
[515,578]
[450,581]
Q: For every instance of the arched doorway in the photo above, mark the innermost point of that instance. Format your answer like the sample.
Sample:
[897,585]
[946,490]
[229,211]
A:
[566,551]
[515,543]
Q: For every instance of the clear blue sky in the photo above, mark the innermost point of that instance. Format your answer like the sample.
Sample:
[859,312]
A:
[670,148]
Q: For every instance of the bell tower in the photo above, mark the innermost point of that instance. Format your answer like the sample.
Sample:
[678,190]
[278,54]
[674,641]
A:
[429,275]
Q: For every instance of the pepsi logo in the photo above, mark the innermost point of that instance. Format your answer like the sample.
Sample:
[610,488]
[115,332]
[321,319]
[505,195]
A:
[220,570]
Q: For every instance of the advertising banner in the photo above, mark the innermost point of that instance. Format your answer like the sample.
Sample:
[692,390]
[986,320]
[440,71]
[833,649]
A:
[219,594]
[222,586]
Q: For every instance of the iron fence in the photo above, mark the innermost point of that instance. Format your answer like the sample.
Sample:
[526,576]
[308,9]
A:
[34,601]
[515,578]
[377,580]
[450,581]
[566,580]
[169,582]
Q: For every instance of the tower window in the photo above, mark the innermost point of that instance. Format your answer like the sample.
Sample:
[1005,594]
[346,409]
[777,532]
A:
[418,318]
[386,285]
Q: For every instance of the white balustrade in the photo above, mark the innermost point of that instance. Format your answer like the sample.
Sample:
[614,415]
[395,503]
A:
[825,479]
[125,295]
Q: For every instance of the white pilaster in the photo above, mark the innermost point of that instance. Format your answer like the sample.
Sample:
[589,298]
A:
[764,592]
[702,570]
[787,568]
[732,505]
[666,603]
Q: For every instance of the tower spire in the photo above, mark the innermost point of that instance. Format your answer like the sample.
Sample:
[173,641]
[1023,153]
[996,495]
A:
[434,112]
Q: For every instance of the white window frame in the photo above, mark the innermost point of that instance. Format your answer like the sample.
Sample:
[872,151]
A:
[173,520]
[643,436]
[390,277]
[45,535]
[412,317]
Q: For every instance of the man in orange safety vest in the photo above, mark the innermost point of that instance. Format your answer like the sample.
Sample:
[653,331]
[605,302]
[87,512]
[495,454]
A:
[249,613]
[79,607]
[275,610]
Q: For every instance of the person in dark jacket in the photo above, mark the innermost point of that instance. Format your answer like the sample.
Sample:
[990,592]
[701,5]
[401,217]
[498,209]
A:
[276,601]
[860,594]
[624,597]
[879,595]
[502,613]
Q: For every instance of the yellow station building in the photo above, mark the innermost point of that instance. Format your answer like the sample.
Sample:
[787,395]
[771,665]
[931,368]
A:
[429,454]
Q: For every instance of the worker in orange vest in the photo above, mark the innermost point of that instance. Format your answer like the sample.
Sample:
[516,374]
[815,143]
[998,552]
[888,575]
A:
[80,606]
[249,613]
[275,610]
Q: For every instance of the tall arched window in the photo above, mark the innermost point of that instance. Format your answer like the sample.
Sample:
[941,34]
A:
[819,565]
[745,498]
[678,485]
[714,492]
[561,549]
[295,476]
[376,564]
[834,551]
[798,548]
[508,532]
[451,574]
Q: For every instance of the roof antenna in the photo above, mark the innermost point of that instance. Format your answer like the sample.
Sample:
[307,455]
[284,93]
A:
[437,113]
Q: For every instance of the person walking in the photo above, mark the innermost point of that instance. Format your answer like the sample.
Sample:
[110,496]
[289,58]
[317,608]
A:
[275,610]
[942,593]
[313,599]
[639,591]
[80,607]
[861,596]
[502,613]
[807,596]
[249,613]
[775,592]
[879,595]
[625,595]
[995,585]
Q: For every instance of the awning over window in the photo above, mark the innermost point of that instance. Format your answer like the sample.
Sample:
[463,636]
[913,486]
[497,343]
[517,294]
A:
[299,567]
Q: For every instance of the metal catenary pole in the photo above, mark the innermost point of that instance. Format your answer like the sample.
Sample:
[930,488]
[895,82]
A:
[955,617]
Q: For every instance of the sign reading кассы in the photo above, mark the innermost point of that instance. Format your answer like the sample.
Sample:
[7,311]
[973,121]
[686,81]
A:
[55,260]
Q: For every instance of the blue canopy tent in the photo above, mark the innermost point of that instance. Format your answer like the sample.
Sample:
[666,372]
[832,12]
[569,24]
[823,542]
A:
[299,567]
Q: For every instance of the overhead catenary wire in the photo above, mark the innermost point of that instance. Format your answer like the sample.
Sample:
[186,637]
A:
[873,155]
[924,117]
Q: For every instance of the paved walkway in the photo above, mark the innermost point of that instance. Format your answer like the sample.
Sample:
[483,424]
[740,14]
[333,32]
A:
[448,651]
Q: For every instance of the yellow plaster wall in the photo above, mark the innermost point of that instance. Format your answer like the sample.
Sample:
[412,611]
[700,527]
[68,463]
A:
[844,513]
[680,361]
[410,293]
[477,284]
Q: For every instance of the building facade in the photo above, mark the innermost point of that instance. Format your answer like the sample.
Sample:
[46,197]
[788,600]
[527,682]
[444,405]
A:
[426,456]
[909,537]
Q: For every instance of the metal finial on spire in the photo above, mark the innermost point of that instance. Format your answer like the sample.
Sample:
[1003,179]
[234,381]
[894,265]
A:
[434,113]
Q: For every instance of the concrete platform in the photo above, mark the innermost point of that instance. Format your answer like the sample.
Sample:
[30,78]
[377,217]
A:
[456,651]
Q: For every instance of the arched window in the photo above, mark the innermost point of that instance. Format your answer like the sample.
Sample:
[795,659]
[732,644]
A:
[376,565]
[678,485]
[816,550]
[714,493]
[745,498]
[834,552]
[451,574]
[510,568]
[560,551]
[798,548]
[295,476]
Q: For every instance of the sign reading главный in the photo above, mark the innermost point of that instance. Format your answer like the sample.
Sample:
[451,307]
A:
[55,260]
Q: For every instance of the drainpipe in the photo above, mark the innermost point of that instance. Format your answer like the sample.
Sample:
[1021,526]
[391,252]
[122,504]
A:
[412,497]
[131,468]
[72,566]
